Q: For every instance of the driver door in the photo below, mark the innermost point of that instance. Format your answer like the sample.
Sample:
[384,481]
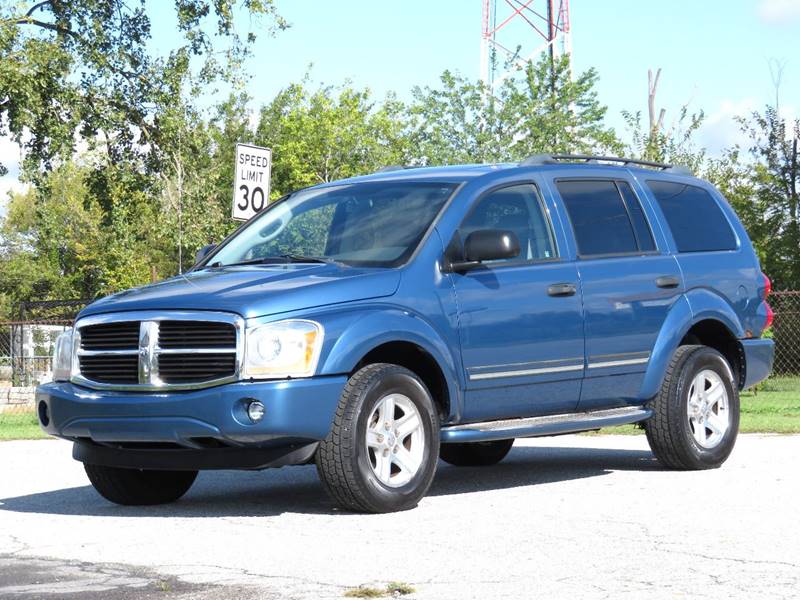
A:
[520,319]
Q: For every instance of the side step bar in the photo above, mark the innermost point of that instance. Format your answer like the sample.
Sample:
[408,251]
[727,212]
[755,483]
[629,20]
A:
[550,425]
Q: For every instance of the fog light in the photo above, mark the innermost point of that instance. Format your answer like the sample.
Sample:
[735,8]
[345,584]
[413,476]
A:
[255,410]
[44,414]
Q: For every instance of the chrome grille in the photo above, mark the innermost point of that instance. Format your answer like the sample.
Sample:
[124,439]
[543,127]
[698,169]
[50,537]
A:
[196,334]
[111,336]
[158,350]
[121,369]
[184,368]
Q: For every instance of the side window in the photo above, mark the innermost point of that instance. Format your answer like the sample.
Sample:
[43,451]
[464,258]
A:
[696,220]
[519,209]
[604,223]
[643,234]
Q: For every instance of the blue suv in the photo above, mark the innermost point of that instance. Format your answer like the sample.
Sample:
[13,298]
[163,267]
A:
[377,324]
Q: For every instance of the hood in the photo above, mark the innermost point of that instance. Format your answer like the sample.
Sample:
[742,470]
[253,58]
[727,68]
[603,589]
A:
[255,290]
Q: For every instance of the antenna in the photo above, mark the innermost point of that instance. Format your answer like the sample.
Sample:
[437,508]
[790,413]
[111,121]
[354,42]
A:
[516,31]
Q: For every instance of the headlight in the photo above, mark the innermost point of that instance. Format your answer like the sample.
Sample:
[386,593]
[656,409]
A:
[62,356]
[282,349]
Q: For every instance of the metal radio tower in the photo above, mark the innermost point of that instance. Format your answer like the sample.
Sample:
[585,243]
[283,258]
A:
[516,31]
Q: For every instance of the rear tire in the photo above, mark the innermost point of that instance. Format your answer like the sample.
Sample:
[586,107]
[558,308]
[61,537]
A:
[476,454]
[380,455]
[135,487]
[696,418]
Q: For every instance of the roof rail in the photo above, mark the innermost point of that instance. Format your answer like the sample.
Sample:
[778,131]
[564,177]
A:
[554,159]
[388,168]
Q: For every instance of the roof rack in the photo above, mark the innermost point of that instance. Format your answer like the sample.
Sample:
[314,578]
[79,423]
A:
[554,159]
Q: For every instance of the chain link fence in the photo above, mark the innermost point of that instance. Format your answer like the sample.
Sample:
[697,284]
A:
[786,332]
[26,349]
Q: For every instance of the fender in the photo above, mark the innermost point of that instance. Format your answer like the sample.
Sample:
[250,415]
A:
[694,306]
[382,325]
[710,305]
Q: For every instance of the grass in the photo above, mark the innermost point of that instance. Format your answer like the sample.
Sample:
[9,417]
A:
[398,588]
[773,407]
[20,426]
[365,592]
[393,588]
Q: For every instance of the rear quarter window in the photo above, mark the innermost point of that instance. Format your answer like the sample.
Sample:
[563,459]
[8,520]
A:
[694,217]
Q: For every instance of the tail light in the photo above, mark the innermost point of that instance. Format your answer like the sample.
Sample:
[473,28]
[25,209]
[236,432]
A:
[767,286]
[767,292]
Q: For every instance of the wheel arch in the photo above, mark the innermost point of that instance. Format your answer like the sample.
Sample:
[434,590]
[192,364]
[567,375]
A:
[705,319]
[715,334]
[404,339]
[417,359]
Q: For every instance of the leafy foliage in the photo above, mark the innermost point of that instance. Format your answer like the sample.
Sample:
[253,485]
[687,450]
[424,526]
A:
[328,134]
[543,110]
[773,189]
[82,70]
[673,145]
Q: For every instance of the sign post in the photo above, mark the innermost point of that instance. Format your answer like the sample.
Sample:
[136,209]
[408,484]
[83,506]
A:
[251,183]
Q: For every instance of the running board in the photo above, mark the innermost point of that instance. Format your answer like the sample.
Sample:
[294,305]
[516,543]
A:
[550,425]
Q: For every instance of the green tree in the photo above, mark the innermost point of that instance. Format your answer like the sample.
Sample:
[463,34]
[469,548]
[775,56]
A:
[557,111]
[83,72]
[83,69]
[774,193]
[52,239]
[659,142]
[457,123]
[544,109]
[328,134]
[673,145]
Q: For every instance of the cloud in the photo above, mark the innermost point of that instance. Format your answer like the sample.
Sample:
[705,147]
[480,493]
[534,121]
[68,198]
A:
[779,12]
[720,130]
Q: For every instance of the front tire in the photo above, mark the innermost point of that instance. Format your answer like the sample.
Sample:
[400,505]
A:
[138,487]
[696,418]
[476,454]
[380,455]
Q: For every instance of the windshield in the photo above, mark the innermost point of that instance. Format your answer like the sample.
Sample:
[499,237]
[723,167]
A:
[360,224]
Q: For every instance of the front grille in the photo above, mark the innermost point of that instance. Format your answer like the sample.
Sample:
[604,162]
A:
[114,368]
[187,368]
[111,336]
[196,334]
[151,353]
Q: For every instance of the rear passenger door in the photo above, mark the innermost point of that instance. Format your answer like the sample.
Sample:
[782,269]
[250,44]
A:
[708,249]
[628,285]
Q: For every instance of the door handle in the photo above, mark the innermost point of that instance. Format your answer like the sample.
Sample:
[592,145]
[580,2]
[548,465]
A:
[668,281]
[561,289]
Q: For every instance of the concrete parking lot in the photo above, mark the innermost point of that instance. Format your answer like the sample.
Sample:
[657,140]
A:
[574,516]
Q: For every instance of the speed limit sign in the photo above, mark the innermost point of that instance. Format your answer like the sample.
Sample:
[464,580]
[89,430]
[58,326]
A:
[251,184]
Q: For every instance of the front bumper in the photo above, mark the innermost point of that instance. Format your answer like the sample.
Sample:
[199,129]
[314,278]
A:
[759,355]
[208,426]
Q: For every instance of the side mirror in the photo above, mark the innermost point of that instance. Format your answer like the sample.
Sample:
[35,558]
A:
[487,244]
[203,252]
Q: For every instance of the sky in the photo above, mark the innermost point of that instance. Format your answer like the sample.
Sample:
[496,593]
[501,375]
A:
[714,54]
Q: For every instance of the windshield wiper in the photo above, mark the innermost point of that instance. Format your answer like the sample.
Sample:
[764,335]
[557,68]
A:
[280,259]
[299,258]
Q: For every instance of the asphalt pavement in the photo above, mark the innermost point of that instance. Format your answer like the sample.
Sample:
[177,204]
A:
[566,517]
